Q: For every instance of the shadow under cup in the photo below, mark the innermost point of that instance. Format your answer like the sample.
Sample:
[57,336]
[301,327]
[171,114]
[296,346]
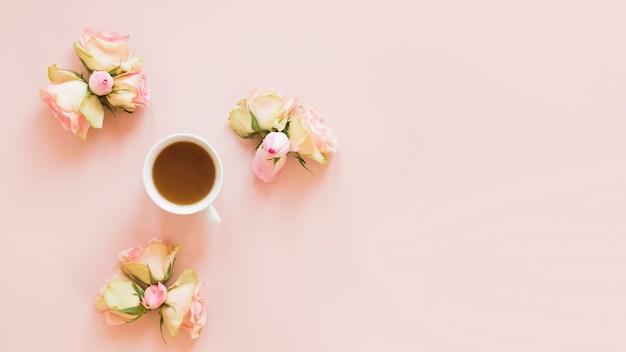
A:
[182,174]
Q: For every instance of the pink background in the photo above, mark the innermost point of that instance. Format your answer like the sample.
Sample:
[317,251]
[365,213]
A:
[476,203]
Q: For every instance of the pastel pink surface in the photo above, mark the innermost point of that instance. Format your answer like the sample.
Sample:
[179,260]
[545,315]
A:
[476,201]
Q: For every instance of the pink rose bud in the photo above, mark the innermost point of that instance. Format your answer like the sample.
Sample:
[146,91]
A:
[265,166]
[154,296]
[101,83]
[149,262]
[276,144]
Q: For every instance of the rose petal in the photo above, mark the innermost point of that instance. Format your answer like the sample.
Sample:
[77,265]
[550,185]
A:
[265,166]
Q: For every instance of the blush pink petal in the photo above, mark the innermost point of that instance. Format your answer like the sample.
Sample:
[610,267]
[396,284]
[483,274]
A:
[276,144]
[70,117]
[132,254]
[196,318]
[113,38]
[141,87]
[130,90]
[150,262]
[320,133]
[154,296]
[309,132]
[265,166]
[101,83]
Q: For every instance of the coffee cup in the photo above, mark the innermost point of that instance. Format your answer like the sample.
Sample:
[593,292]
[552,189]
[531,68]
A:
[182,174]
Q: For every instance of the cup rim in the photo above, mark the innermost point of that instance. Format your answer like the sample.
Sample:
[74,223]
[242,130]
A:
[151,189]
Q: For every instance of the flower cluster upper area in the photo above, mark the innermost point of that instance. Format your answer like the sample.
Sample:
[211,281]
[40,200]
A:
[115,80]
[285,126]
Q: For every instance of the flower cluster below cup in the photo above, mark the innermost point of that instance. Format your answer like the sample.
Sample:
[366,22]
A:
[116,81]
[139,286]
[285,126]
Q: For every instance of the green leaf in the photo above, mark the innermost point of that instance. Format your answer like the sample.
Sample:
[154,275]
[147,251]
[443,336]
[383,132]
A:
[135,279]
[106,104]
[152,280]
[303,163]
[161,327]
[138,290]
[258,145]
[85,65]
[275,161]
[170,269]
[138,310]
[251,135]
[116,70]
[255,123]
[83,53]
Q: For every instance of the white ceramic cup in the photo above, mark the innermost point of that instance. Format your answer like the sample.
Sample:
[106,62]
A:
[205,205]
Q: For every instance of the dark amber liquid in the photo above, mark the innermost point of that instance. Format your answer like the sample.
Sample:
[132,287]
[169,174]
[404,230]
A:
[183,173]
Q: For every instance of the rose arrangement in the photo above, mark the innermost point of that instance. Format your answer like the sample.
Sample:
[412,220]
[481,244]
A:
[139,286]
[116,81]
[285,127]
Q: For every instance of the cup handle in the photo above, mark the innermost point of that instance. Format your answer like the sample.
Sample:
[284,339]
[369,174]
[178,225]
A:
[211,215]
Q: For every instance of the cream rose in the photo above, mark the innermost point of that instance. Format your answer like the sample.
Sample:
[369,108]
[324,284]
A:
[150,262]
[105,52]
[129,91]
[262,110]
[183,300]
[68,97]
[119,300]
[100,83]
[196,317]
[313,138]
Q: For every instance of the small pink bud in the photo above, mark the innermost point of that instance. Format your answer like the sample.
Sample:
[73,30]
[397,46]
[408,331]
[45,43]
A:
[265,166]
[276,144]
[154,296]
[101,83]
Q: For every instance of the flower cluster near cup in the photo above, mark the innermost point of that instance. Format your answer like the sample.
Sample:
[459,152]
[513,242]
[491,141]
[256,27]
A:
[285,126]
[138,286]
[116,81]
